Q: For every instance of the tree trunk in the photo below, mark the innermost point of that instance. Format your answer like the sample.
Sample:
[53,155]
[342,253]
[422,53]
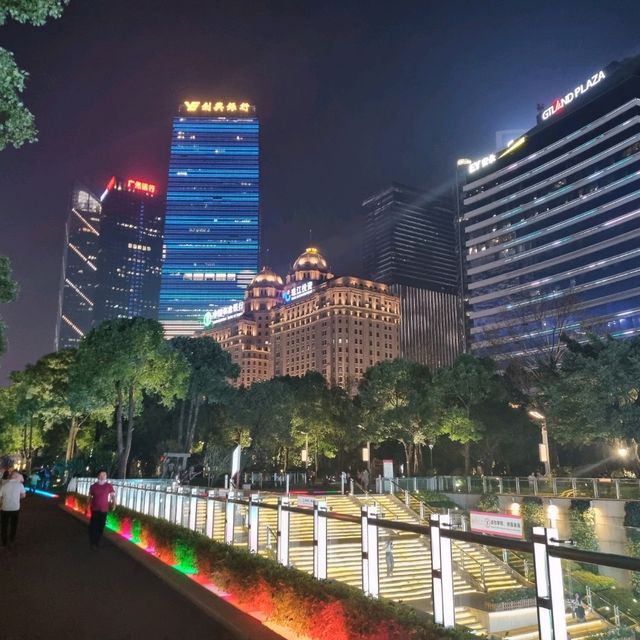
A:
[192,427]
[120,441]
[286,459]
[30,450]
[408,455]
[124,460]
[183,443]
[316,460]
[181,423]
[467,458]
[74,427]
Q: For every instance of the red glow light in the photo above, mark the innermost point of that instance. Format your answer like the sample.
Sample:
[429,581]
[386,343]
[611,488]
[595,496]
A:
[138,185]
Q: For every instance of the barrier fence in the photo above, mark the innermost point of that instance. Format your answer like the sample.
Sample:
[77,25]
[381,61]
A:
[304,532]
[611,488]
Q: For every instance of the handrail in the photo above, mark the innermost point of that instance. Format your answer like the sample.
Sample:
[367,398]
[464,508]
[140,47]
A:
[567,487]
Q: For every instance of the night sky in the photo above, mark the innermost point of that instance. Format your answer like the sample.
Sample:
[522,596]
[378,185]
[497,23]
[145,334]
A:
[351,95]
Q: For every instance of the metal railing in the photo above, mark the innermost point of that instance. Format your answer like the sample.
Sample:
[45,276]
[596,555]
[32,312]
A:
[200,511]
[595,488]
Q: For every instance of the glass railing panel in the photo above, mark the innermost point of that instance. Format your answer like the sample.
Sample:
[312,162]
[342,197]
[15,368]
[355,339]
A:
[344,552]
[301,541]
[240,525]
[267,530]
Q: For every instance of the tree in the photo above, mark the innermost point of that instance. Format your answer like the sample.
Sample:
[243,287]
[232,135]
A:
[17,124]
[210,369]
[119,362]
[462,388]
[8,291]
[595,394]
[398,403]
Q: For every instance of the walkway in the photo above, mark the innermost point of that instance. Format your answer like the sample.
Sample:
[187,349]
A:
[53,586]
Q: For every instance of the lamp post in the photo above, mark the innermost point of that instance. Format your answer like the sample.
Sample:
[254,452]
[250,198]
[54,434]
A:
[431,456]
[366,453]
[544,446]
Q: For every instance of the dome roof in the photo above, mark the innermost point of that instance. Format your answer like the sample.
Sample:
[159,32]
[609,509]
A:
[311,259]
[267,277]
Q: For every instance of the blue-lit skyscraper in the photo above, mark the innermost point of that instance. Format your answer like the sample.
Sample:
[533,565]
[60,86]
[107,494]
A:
[212,221]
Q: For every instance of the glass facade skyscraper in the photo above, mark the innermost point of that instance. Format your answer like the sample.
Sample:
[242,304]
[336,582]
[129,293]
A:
[409,244]
[77,295]
[212,220]
[130,254]
[551,224]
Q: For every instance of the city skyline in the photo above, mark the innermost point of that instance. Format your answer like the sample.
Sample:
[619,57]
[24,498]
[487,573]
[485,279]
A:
[321,108]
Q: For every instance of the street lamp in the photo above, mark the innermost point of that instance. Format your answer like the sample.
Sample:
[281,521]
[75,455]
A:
[431,455]
[366,452]
[622,452]
[543,447]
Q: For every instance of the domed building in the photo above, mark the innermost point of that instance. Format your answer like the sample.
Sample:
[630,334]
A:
[313,321]
[310,265]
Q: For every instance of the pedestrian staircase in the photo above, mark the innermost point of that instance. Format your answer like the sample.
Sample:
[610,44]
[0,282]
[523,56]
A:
[476,569]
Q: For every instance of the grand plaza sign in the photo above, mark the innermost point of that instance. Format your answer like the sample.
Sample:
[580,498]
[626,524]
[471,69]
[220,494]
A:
[560,103]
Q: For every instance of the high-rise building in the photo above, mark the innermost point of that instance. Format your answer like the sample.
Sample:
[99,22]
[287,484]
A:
[79,268]
[130,251]
[552,224]
[312,321]
[409,244]
[212,221]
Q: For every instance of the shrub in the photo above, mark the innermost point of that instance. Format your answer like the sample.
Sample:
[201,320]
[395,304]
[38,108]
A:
[511,595]
[532,514]
[437,500]
[489,502]
[632,521]
[582,523]
[619,633]
[596,582]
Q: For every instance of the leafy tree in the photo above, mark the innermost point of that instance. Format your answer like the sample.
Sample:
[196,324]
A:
[16,121]
[8,291]
[118,363]
[595,395]
[398,403]
[266,410]
[463,387]
[210,369]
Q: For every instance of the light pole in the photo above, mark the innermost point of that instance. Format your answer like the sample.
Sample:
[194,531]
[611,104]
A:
[431,456]
[366,452]
[544,446]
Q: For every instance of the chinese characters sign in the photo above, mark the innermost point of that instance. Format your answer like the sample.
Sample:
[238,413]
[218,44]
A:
[299,291]
[138,185]
[223,313]
[218,107]
[496,524]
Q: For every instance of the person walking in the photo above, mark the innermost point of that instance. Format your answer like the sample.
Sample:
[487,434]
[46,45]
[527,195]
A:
[102,498]
[11,492]
[388,555]
[34,478]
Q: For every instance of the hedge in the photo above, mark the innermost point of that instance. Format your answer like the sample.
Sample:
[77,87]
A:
[511,595]
[319,609]
[489,502]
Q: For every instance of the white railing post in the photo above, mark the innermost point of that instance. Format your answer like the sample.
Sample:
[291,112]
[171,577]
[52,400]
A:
[253,523]
[442,594]
[193,511]
[156,503]
[139,499]
[208,526]
[179,508]
[282,552]
[370,554]
[549,586]
[229,518]
[168,495]
[320,541]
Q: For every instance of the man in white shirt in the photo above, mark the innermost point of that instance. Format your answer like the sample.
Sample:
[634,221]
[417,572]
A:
[11,493]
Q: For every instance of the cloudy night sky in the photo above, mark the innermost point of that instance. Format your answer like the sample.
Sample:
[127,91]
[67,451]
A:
[351,96]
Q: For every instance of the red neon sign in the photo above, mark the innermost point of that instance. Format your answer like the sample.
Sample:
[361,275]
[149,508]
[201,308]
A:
[138,185]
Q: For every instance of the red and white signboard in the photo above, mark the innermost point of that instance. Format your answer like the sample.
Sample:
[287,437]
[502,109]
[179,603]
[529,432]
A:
[496,524]
[387,468]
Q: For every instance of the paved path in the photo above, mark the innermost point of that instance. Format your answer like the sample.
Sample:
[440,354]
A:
[52,586]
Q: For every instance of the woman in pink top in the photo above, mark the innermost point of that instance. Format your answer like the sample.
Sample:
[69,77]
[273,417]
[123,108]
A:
[102,498]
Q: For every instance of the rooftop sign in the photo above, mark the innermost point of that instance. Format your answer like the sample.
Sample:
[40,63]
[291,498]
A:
[194,106]
[482,163]
[561,103]
[138,185]
[223,313]
[299,291]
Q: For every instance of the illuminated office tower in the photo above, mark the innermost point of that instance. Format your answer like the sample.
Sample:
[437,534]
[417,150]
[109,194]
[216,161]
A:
[130,254]
[79,264]
[212,221]
[551,225]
